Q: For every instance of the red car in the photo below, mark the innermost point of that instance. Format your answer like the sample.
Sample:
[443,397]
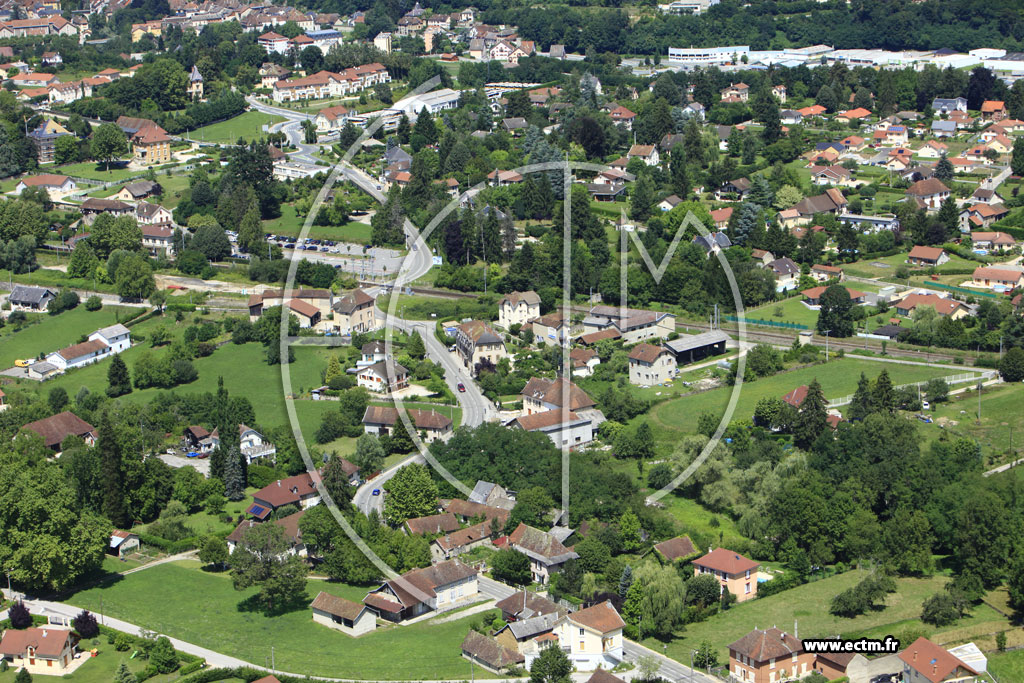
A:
[462,388]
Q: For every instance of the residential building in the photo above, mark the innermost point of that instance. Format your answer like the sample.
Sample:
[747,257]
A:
[382,41]
[812,296]
[769,655]
[546,553]
[928,194]
[583,362]
[541,394]
[592,637]
[56,428]
[330,119]
[321,299]
[140,189]
[466,510]
[77,355]
[438,588]
[1000,278]
[289,525]
[27,298]
[945,106]
[786,272]
[926,662]
[650,365]
[488,654]
[646,153]
[735,573]
[442,523]
[993,110]
[737,92]
[253,445]
[634,325]
[430,424]
[38,650]
[194,89]
[493,495]
[927,256]
[565,429]
[44,137]
[382,379]
[551,329]
[943,305]
[530,636]
[676,549]
[479,345]
[871,223]
[981,215]
[721,217]
[299,490]
[832,201]
[459,541]
[55,185]
[273,42]
[518,308]
[351,618]
[354,313]
[823,273]
[713,243]
[831,175]
[526,605]
[992,240]
[151,146]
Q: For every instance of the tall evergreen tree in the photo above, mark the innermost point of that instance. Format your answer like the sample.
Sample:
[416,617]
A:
[119,382]
[112,473]
[642,199]
[860,405]
[1017,160]
[234,475]
[811,421]
[680,177]
[944,169]
[882,395]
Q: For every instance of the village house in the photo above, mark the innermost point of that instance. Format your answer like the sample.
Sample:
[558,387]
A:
[56,428]
[299,490]
[786,272]
[646,153]
[1000,278]
[981,215]
[459,541]
[738,187]
[675,549]
[254,446]
[530,635]
[354,313]
[925,662]
[151,146]
[330,119]
[823,273]
[429,525]
[927,256]
[55,185]
[993,110]
[38,649]
[493,495]
[832,201]
[381,379]
[489,654]
[761,257]
[320,299]
[735,573]
[634,325]
[541,395]
[713,243]
[26,298]
[738,92]
[198,440]
[945,106]
[289,525]
[479,345]
[546,553]
[133,192]
[551,329]
[765,655]
[583,362]
[98,346]
[812,296]
[351,618]
[518,308]
[565,429]
[651,365]
[928,194]
[721,217]
[831,175]
[933,149]
[466,511]
[526,605]
[437,588]
[943,305]
[430,424]
[592,636]
[992,240]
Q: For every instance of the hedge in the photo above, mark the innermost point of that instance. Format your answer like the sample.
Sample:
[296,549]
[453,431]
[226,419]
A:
[175,306]
[170,547]
[247,674]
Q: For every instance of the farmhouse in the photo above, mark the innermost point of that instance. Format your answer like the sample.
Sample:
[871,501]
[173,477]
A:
[459,541]
[56,428]
[546,553]
[444,522]
[431,424]
[526,605]
[489,654]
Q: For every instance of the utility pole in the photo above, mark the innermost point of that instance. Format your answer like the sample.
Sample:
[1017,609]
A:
[826,345]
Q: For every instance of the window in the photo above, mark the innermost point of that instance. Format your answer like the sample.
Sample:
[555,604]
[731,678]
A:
[748,574]
[747,589]
[771,664]
[581,632]
[582,647]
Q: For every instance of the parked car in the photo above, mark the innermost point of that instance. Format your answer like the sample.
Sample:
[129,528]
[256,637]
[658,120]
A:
[462,387]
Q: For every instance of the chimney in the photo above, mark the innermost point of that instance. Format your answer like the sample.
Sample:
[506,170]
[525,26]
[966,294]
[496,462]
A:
[44,633]
[915,656]
[278,482]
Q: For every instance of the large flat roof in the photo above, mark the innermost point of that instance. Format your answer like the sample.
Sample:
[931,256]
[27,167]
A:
[695,341]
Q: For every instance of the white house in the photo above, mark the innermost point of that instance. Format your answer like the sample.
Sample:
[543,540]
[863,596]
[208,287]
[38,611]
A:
[438,588]
[518,308]
[593,637]
[60,184]
[351,618]
[253,445]
[650,365]
[376,378]
[564,429]
[117,337]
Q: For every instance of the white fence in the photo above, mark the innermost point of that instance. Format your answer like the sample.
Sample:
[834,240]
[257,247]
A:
[963,377]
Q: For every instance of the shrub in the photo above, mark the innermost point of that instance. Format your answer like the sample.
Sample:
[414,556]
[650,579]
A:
[123,642]
[93,303]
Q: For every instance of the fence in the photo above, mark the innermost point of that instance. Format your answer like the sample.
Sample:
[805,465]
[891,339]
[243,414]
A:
[960,378]
[768,323]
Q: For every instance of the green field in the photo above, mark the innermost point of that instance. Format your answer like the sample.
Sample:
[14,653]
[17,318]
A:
[205,609]
[94,171]
[867,268]
[290,225]
[837,378]
[55,332]
[55,279]
[806,607]
[248,126]
[98,669]
[418,307]
[1001,419]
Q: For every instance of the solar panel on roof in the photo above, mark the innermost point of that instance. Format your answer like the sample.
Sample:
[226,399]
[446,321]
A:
[256,510]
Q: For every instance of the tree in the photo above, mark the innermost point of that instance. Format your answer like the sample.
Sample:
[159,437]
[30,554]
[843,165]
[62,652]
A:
[250,233]
[336,481]
[135,278]
[212,242]
[108,143]
[936,390]
[23,676]
[944,169]
[703,590]
[65,150]
[551,666]
[411,493]
[625,581]
[836,313]
[85,625]
[1011,367]
[705,657]
[119,382]
[827,98]
[861,404]
[112,495]
[512,567]
[163,656]
[214,551]
[19,616]
[312,59]
[939,610]
[369,455]
[629,530]
[234,475]
[261,559]
[811,421]
[83,261]
[642,199]
[124,674]
[882,396]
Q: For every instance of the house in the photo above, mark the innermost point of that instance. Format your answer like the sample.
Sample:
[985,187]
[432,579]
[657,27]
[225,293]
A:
[38,650]
[779,93]
[526,605]
[430,424]
[552,329]
[823,273]
[896,135]
[133,192]
[713,243]
[738,187]
[271,73]
[530,636]
[927,256]
[943,306]
[650,365]
[382,379]
[813,110]
[986,196]
[646,153]
[831,175]
[1001,144]
[351,618]
[721,217]
[493,495]
[929,193]
[56,185]
[565,429]
[622,115]
[583,362]
[926,662]
[945,106]
[331,119]
[299,490]
[194,89]
[735,573]
[933,149]
[56,428]
[546,552]
[592,636]
[273,42]
[981,215]
[515,125]
[989,240]
[442,523]
[674,549]
[44,137]
[790,117]
[739,92]
[500,178]
[518,308]
[812,296]
[998,278]
[307,314]
[489,654]
[869,223]
[542,395]
[26,298]
[479,345]
[51,59]
[437,588]
[354,313]
[253,444]
[832,201]
[852,115]
[635,325]
[786,272]
[769,655]
[459,541]
[151,145]
[993,110]
[289,525]
[943,129]
[123,543]
[34,80]
[670,202]
[466,510]
[199,440]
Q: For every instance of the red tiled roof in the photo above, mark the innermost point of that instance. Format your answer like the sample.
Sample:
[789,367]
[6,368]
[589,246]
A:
[724,560]
[56,428]
[931,661]
[675,548]
[602,618]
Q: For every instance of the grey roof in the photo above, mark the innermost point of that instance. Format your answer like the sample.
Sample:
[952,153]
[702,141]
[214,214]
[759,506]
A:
[396,154]
[784,266]
[113,331]
[42,367]
[481,491]
[24,294]
[534,626]
[562,533]
[141,187]
[719,238]
[945,126]
[695,341]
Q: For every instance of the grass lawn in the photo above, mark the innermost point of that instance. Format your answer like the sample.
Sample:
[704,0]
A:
[808,606]
[248,125]
[205,609]
[54,279]
[1007,666]
[885,267]
[695,518]
[54,332]
[417,307]
[99,669]
[838,378]
[94,171]
[290,224]
[1000,418]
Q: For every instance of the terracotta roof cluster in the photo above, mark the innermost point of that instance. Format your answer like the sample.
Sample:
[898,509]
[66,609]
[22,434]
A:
[425,581]
[463,537]
[767,644]
[526,604]
[432,524]
[539,545]
[469,509]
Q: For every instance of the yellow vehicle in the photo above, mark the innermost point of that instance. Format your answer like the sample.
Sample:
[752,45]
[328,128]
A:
[21,363]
